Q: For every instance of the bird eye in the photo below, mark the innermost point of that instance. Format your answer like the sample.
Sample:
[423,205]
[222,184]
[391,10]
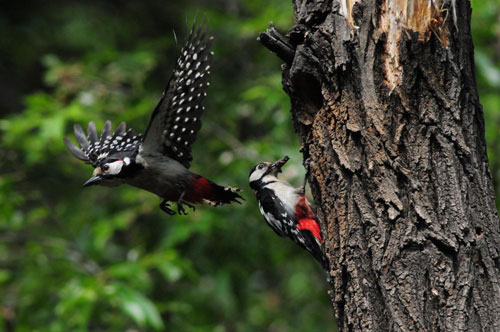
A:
[261,166]
[105,167]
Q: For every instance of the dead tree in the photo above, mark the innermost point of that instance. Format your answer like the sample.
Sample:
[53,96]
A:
[385,104]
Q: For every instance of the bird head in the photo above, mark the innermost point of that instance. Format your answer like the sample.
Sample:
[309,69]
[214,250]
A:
[265,171]
[111,171]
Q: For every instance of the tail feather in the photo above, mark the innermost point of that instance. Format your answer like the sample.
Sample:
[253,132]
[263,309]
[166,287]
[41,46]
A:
[206,191]
[311,233]
[223,195]
[313,246]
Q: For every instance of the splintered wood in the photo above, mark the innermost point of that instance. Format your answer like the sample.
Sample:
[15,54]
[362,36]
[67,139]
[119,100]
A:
[423,17]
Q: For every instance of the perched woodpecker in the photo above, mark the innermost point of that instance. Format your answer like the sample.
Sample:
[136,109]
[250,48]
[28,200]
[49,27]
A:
[158,161]
[286,209]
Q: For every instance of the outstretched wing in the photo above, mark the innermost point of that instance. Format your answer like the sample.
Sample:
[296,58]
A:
[93,149]
[175,121]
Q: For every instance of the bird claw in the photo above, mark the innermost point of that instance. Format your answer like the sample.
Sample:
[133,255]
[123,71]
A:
[307,164]
[302,190]
[180,207]
[165,207]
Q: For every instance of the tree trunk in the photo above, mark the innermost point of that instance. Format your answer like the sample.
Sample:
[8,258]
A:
[385,104]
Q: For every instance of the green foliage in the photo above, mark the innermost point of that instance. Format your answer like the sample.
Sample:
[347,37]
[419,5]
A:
[486,29]
[101,259]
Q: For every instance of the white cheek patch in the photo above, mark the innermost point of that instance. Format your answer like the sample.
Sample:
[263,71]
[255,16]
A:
[114,167]
[257,174]
[269,178]
[126,160]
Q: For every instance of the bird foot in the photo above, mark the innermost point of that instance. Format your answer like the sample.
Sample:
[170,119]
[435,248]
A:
[301,190]
[165,207]
[180,207]
[307,164]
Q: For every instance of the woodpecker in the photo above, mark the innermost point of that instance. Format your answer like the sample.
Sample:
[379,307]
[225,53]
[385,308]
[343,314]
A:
[159,160]
[286,209]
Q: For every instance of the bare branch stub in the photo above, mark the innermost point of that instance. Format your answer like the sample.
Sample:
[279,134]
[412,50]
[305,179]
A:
[277,43]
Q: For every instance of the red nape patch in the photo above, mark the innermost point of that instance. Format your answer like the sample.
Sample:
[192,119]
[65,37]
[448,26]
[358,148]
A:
[312,226]
[201,189]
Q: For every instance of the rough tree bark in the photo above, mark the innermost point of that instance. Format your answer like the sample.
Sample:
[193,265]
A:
[385,104]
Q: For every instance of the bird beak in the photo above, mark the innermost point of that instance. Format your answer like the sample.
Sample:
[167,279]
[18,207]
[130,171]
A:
[92,180]
[276,166]
[95,179]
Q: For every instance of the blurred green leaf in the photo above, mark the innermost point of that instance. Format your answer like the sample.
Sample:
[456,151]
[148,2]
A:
[135,305]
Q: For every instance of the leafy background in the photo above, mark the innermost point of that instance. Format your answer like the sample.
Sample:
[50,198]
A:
[100,259]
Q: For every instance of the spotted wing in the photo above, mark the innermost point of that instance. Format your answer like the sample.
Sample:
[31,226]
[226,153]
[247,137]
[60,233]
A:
[175,121]
[92,149]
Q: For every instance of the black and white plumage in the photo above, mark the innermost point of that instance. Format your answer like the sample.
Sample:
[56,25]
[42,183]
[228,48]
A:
[286,209]
[93,150]
[159,160]
[176,119]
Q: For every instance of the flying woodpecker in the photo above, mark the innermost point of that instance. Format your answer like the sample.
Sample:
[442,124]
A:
[159,160]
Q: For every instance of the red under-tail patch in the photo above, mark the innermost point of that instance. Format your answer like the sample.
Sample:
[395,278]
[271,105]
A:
[201,189]
[303,209]
[312,226]
[307,220]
